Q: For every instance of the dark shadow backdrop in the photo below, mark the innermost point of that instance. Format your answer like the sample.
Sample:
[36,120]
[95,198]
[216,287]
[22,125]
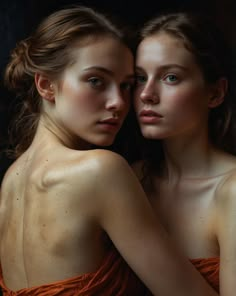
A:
[19,18]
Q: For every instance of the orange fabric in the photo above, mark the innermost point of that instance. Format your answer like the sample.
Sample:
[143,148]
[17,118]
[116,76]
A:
[113,278]
[209,268]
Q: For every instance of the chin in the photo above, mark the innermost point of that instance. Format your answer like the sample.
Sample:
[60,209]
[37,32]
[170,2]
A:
[105,142]
[152,134]
[149,135]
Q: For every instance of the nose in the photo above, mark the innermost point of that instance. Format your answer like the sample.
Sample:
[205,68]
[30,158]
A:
[117,100]
[149,94]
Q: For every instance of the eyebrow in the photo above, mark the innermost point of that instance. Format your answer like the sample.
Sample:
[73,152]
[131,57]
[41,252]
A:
[165,67]
[106,71]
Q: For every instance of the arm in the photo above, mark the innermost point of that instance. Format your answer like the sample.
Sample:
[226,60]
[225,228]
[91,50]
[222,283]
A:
[124,212]
[226,217]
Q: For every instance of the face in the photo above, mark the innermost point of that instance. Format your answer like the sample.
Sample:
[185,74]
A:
[171,97]
[94,95]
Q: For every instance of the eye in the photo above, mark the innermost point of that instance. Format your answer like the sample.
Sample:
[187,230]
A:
[96,82]
[171,78]
[141,79]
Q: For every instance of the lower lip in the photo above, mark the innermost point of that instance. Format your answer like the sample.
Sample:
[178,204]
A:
[150,119]
[109,127]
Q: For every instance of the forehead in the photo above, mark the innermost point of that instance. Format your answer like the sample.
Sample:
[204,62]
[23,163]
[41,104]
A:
[164,48]
[105,52]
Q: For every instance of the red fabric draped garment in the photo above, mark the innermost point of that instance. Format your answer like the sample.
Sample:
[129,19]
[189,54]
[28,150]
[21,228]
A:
[114,277]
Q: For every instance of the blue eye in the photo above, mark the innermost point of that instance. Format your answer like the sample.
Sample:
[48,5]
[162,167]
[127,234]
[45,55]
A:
[171,78]
[95,82]
[141,79]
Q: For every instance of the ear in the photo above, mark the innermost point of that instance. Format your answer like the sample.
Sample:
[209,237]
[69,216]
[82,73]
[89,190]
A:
[218,93]
[44,87]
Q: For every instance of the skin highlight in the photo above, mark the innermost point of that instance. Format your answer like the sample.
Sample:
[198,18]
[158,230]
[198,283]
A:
[178,101]
[73,200]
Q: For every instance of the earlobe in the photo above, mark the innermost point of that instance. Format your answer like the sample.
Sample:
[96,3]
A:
[44,87]
[219,93]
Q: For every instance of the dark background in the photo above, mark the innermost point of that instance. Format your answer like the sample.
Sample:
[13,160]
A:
[19,17]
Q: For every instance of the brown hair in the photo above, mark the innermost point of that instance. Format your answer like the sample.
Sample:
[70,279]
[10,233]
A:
[211,51]
[48,51]
[207,44]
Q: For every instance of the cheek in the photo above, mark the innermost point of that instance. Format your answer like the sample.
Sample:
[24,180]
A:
[74,107]
[80,98]
[187,108]
[186,98]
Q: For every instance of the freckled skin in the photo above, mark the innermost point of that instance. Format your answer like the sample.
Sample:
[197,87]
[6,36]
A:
[70,204]
[200,216]
[183,102]
[46,213]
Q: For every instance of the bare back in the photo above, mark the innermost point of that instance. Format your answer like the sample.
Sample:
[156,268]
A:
[47,230]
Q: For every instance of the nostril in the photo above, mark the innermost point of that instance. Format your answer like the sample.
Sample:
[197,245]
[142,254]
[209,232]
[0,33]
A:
[150,97]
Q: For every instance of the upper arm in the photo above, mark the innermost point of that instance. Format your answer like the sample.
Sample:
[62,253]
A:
[126,215]
[226,209]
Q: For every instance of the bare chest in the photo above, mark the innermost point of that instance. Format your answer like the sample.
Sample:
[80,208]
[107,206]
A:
[187,211]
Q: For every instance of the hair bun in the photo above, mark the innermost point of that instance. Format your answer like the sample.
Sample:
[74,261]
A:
[18,74]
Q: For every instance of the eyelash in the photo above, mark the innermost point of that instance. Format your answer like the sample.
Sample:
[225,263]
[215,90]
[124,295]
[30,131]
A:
[138,79]
[171,75]
[141,79]
[96,82]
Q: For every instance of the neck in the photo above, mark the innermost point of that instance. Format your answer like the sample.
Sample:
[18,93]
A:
[189,156]
[49,133]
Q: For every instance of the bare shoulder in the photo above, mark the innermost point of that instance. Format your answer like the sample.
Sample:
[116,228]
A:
[9,177]
[67,166]
[93,168]
[112,175]
[226,192]
[106,180]
[105,158]
[106,165]
[102,161]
